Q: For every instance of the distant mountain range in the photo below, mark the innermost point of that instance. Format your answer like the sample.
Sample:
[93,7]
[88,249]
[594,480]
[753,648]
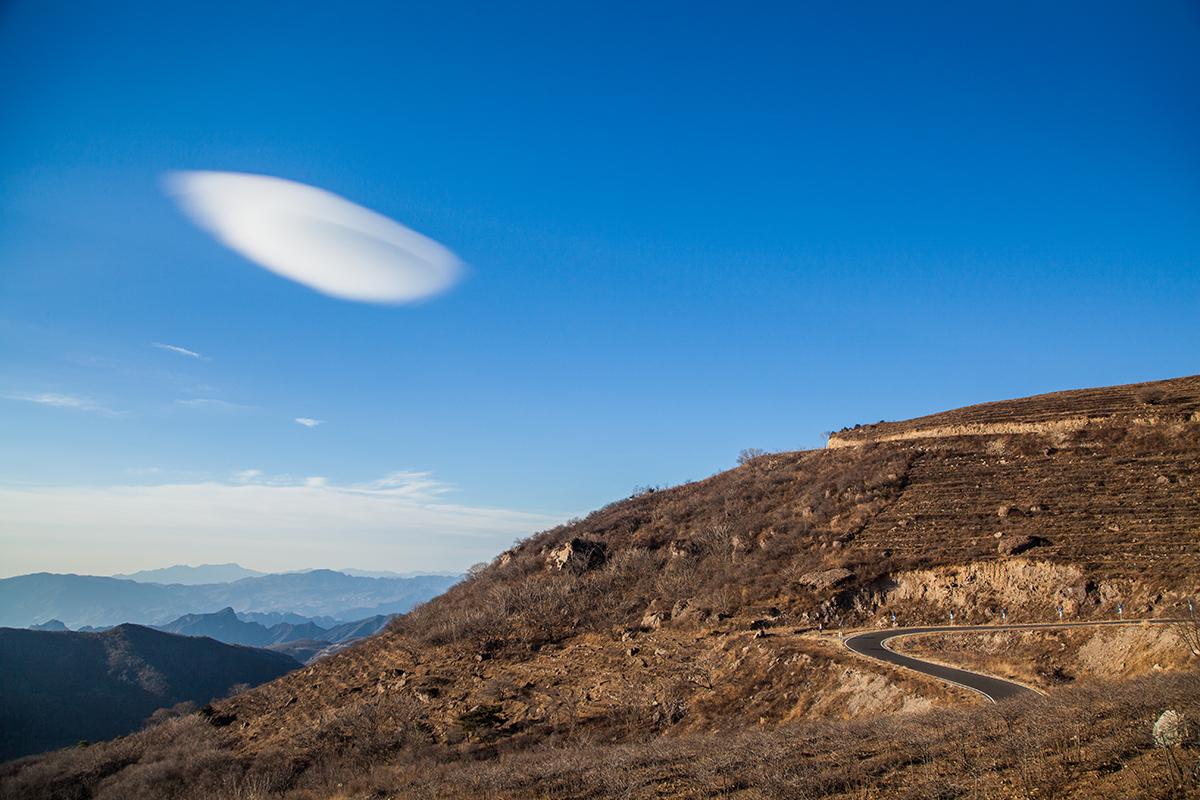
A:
[227,573]
[89,600]
[303,641]
[193,576]
[50,625]
[60,687]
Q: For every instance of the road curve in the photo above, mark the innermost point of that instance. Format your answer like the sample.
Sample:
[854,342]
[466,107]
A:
[873,644]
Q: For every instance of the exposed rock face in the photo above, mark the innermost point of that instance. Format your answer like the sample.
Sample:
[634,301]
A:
[685,611]
[653,620]
[577,555]
[1015,545]
[825,579]
[994,585]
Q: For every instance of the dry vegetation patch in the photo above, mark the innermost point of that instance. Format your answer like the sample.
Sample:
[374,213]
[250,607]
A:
[1081,742]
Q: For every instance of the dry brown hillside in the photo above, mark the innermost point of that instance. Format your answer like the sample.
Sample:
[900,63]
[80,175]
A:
[662,626]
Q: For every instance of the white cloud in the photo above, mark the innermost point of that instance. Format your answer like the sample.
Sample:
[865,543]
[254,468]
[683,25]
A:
[309,422]
[213,404]
[247,475]
[402,521]
[183,351]
[315,237]
[68,401]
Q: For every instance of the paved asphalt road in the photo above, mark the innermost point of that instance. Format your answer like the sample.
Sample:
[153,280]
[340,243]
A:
[873,644]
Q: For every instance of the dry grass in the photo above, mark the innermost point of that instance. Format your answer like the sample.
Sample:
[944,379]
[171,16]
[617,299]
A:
[1083,742]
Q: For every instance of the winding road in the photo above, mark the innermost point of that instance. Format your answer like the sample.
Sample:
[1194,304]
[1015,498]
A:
[873,644]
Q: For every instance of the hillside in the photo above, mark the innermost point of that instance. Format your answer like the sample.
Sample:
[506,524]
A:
[62,687]
[707,608]
[88,600]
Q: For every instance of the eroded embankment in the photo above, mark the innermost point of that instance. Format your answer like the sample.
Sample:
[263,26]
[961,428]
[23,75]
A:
[1054,657]
[1060,426]
[1013,590]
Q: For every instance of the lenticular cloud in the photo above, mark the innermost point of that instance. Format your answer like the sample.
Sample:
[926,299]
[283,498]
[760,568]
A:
[315,237]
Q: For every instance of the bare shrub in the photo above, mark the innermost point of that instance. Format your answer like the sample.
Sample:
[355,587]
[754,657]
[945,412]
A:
[716,539]
[174,712]
[1187,629]
[749,454]
[1150,395]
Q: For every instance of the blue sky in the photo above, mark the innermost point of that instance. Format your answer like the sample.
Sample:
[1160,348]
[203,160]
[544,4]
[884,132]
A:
[689,229]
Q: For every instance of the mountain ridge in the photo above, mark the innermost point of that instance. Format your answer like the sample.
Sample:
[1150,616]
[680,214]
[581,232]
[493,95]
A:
[226,626]
[64,686]
[188,575]
[98,601]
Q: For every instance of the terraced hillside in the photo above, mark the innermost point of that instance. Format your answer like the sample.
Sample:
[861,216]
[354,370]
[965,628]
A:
[1108,484]
[1056,413]
[707,607]
[1116,510]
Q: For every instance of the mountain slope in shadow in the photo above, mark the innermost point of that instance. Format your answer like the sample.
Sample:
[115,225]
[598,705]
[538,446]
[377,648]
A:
[60,687]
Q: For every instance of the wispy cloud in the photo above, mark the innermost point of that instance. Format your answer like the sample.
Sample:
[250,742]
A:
[67,401]
[174,348]
[309,422]
[213,404]
[401,519]
[406,483]
[315,237]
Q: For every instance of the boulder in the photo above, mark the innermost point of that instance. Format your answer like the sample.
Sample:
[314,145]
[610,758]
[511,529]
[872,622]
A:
[1015,545]
[577,555]
[653,620]
[685,611]
[825,579]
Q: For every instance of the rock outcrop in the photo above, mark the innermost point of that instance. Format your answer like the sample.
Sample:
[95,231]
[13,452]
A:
[577,555]
[825,579]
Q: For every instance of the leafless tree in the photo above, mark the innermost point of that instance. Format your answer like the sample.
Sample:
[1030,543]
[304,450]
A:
[749,454]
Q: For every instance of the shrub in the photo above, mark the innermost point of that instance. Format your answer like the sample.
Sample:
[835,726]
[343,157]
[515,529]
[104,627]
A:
[481,720]
[749,454]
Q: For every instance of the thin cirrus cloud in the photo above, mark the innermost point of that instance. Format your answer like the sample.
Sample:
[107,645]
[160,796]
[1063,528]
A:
[309,422]
[212,404]
[174,348]
[315,237]
[67,401]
